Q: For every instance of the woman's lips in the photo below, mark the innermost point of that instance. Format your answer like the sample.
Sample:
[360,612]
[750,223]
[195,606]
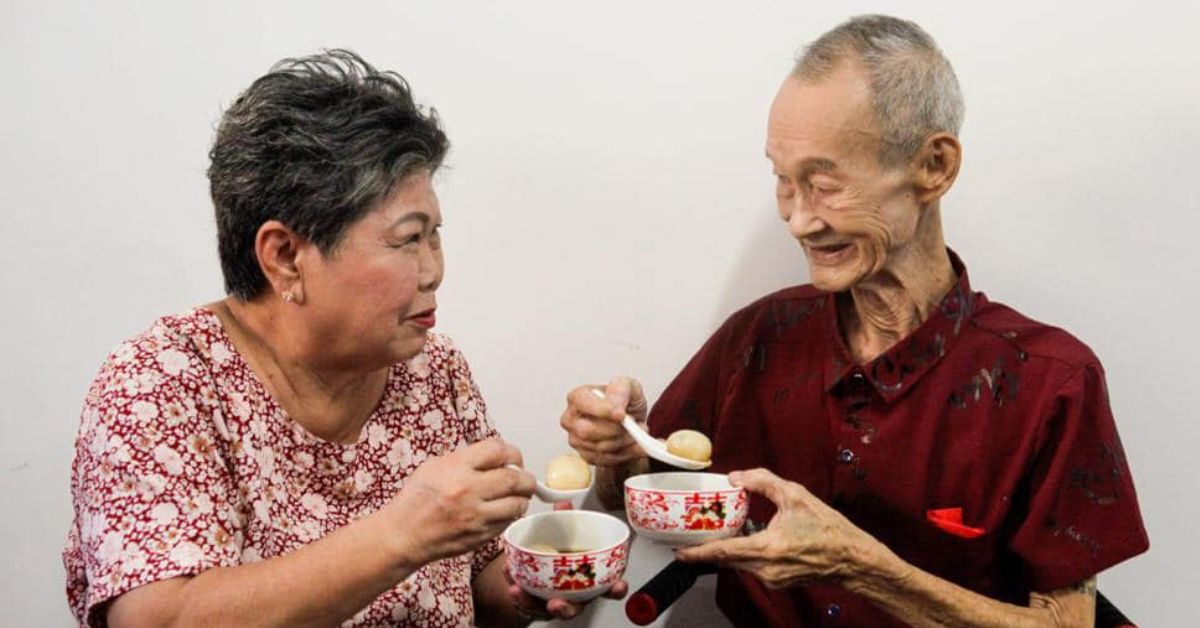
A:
[829,254]
[425,319]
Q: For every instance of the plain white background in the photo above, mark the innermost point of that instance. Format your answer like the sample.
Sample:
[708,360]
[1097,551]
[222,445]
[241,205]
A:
[607,204]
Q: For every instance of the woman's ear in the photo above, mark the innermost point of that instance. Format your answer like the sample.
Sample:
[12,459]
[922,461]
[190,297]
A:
[937,164]
[277,248]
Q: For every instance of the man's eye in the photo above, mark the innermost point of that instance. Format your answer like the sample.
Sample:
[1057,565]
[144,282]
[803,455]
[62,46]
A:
[783,187]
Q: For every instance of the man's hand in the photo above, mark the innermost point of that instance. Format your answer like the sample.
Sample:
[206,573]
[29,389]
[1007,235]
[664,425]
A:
[806,541]
[555,608]
[593,424]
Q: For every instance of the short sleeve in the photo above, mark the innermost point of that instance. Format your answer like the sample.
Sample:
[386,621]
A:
[1083,512]
[468,400]
[477,425]
[153,495]
[692,400]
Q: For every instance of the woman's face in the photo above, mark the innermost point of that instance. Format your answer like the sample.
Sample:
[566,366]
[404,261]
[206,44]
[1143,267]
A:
[370,302]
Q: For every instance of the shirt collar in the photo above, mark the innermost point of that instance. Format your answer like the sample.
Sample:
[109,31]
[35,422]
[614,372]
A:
[905,363]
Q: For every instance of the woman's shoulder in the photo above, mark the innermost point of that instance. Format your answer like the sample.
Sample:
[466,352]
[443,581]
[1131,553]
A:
[168,343]
[174,353]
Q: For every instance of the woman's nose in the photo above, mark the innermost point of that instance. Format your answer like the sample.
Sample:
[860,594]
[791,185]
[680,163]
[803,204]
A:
[430,268]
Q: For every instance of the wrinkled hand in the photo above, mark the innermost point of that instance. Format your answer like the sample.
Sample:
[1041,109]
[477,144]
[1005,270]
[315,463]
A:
[593,424]
[554,608]
[805,542]
[455,503]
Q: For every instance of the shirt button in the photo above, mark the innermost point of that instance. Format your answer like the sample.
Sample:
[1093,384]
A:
[846,456]
[833,610]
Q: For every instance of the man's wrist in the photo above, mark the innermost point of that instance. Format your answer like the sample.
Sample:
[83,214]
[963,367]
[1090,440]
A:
[875,567]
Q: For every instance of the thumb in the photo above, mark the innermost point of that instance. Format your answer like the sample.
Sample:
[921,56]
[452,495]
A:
[618,392]
[762,482]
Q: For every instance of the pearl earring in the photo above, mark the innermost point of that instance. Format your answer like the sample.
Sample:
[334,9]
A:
[288,297]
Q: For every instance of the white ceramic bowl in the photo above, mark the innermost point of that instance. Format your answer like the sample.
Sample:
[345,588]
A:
[599,550]
[684,508]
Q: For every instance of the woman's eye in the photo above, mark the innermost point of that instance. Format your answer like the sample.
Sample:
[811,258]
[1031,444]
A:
[409,240]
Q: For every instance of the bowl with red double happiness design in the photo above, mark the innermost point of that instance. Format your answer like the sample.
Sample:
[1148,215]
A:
[684,508]
[575,555]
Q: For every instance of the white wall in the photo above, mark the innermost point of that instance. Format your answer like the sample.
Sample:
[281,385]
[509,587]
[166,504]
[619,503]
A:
[607,205]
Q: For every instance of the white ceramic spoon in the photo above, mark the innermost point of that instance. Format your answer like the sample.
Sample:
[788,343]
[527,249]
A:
[652,446]
[554,495]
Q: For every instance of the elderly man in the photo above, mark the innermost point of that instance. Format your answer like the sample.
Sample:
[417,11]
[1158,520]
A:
[928,457]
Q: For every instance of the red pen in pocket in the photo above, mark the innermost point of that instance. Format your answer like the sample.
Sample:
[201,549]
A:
[951,520]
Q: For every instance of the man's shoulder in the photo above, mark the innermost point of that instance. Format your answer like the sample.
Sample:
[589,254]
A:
[778,315]
[1035,338]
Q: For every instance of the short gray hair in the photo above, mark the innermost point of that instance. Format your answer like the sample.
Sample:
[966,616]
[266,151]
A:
[315,143]
[914,90]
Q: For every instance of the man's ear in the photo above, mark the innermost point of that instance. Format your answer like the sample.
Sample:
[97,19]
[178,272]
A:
[278,248]
[936,167]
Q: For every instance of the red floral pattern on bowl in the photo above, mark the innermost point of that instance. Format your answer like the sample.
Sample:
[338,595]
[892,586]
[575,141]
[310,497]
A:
[683,508]
[575,576]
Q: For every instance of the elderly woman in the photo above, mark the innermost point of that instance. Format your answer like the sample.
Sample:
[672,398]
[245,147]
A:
[305,451]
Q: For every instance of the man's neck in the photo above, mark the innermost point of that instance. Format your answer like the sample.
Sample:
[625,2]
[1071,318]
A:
[888,306]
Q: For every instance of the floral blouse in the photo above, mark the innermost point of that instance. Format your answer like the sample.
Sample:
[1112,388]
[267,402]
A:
[184,462]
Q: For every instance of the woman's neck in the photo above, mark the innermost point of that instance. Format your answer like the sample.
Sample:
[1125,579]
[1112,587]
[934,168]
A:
[332,403]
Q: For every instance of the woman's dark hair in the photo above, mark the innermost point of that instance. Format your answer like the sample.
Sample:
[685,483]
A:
[314,144]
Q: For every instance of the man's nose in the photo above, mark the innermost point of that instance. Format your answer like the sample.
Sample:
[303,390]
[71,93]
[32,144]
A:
[802,218]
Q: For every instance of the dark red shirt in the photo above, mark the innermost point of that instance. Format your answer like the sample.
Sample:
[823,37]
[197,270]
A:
[980,408]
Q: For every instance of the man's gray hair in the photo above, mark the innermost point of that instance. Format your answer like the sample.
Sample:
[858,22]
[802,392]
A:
[914,91]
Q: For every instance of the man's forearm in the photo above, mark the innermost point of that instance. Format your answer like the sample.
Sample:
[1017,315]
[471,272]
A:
[320,584]
[923,600]
[610,481]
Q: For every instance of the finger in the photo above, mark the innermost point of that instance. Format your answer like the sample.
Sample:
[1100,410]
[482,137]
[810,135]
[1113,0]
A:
[723,552]
[562,609]
[618,590]
[606,458]
[584,403]
[762,482]
[505,482]
[597,430]
[526,604]
[500,512]
[493,453]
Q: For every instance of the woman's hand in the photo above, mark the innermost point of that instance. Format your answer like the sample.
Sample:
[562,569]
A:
[593,424]
[531,607]
[454,503]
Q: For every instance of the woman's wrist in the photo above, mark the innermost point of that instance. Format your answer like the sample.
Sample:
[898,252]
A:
[400,549]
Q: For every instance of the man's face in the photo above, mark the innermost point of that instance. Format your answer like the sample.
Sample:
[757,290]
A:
[851,214]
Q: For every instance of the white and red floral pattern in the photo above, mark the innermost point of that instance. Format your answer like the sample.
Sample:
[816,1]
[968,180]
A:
[684,511]
[184,462]
[569,576]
